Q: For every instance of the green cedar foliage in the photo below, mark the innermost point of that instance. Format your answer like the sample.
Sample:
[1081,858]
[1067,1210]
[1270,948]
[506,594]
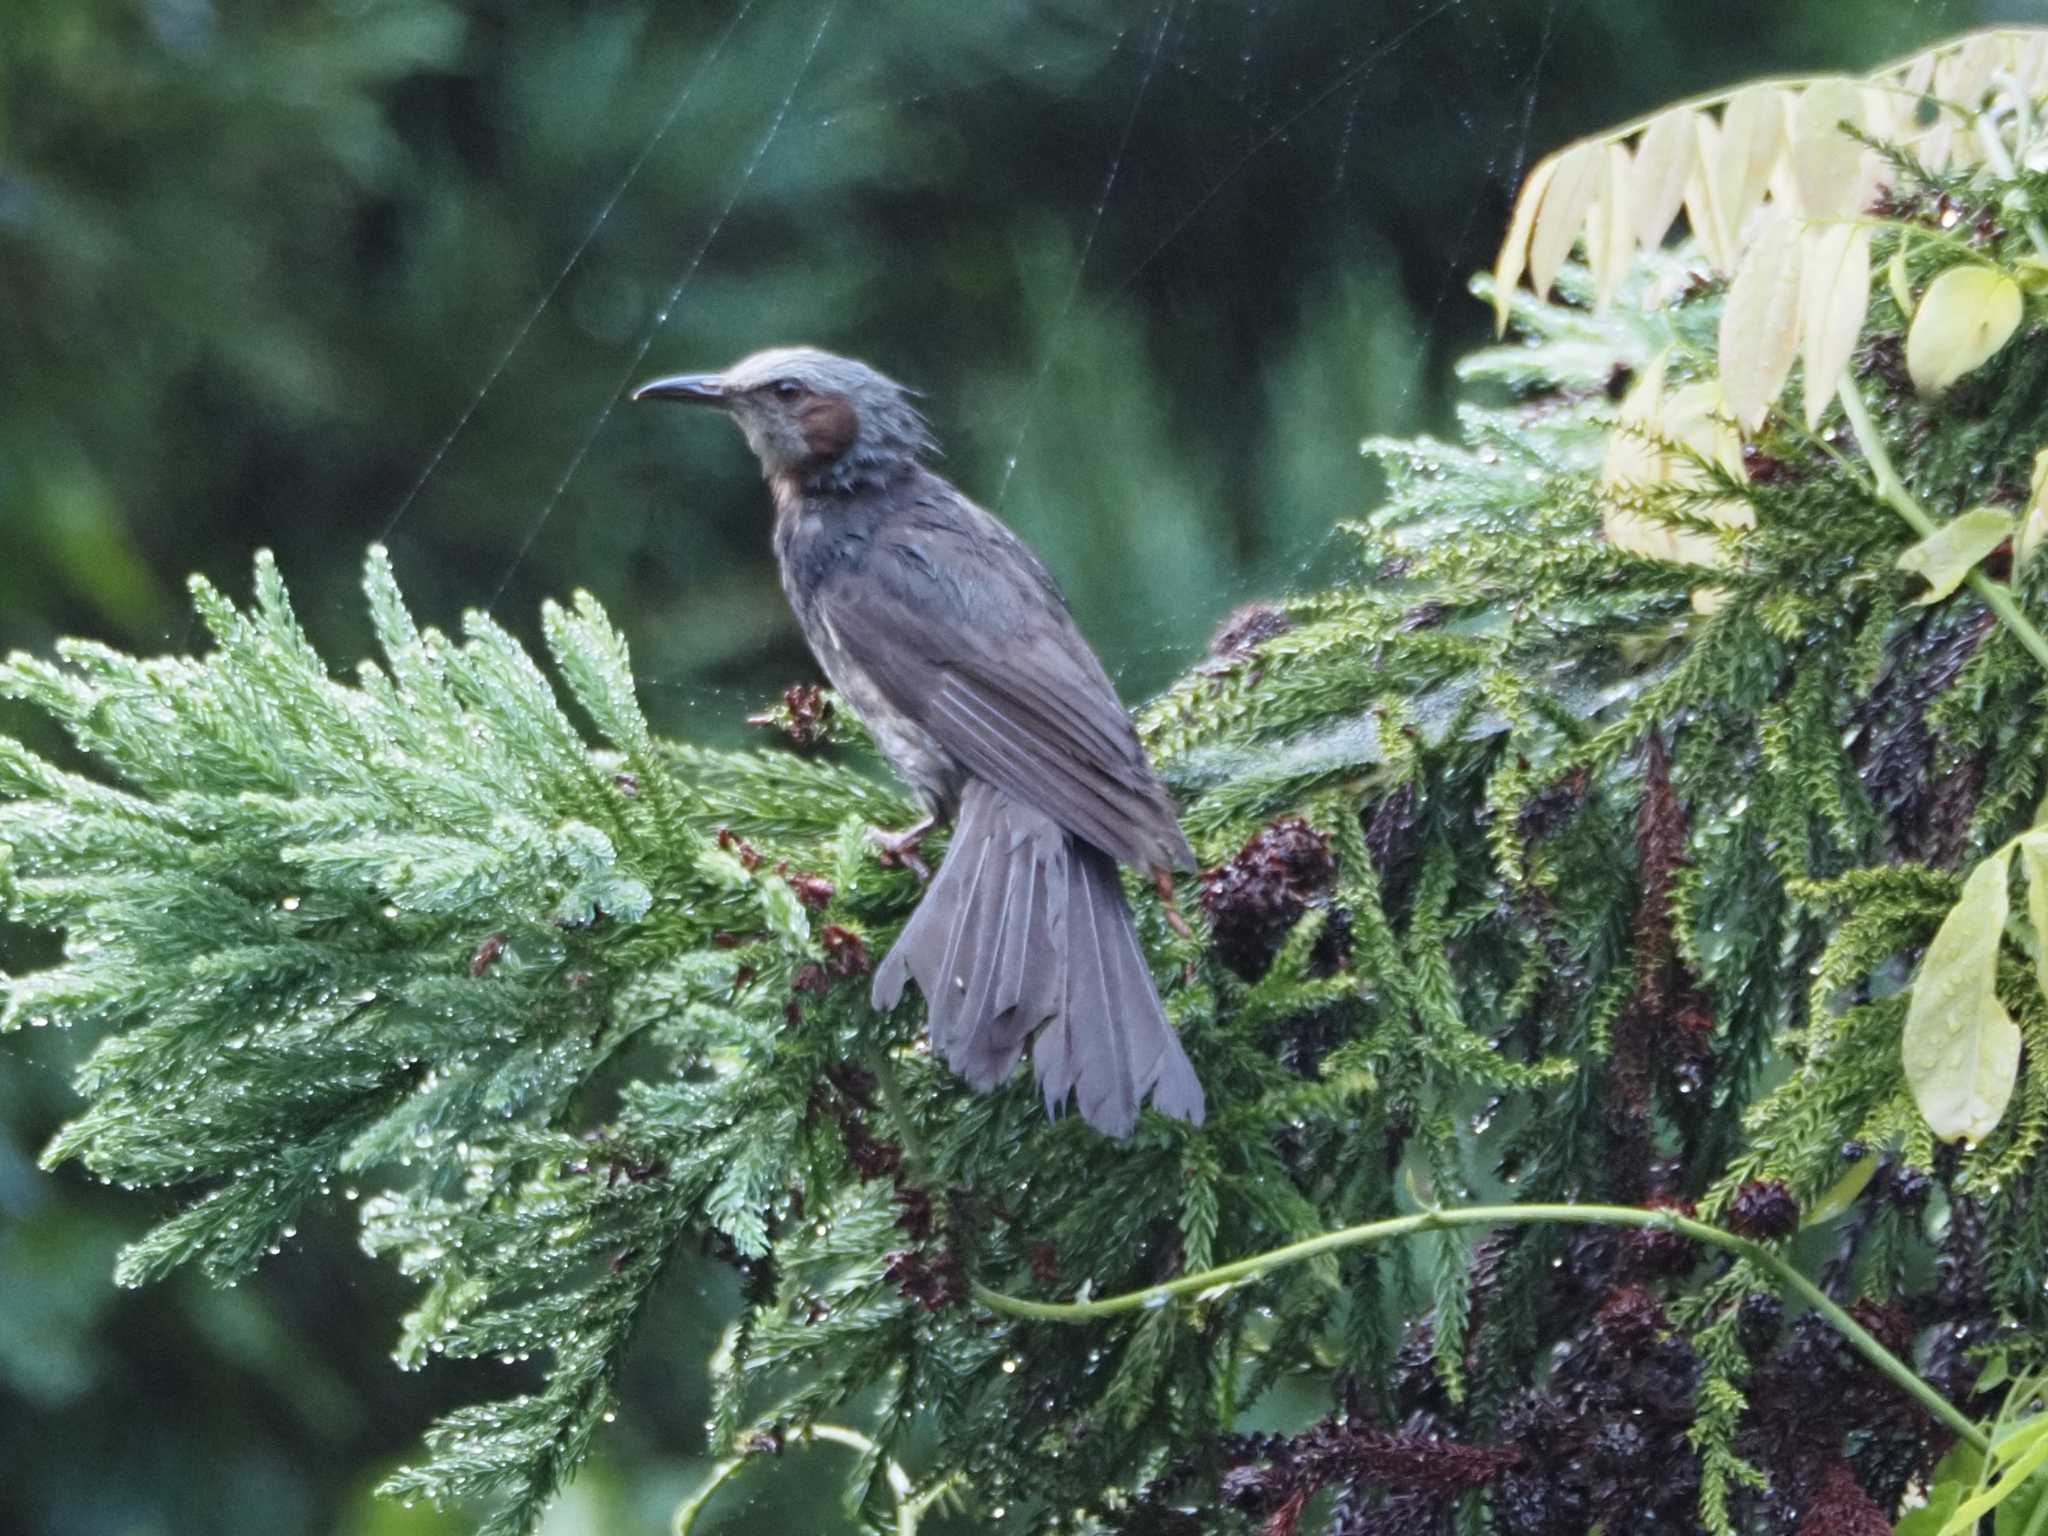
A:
[1525,876]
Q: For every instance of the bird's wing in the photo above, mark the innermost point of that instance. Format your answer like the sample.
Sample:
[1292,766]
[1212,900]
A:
[962,630]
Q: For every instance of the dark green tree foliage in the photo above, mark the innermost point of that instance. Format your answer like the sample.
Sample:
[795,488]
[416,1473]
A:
[1519,873]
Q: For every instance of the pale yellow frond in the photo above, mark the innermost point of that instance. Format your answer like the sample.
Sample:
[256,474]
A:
[1964,76]
[1896,277]
[1822,159]
[1664,157]
[1697,418]
[1558,221]
[1514,252]
[1760,327]
[1702,208]
[1752,136]
[1777,143]
[1834,298]
[1610,227]
[1653,447]
[1632,458]
[2033,529]
[2030,61]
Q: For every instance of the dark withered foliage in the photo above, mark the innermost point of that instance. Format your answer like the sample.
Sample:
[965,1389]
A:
[1253,900]
[1524,878]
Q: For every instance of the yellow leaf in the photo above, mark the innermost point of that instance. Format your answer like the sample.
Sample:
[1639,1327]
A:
[1881,107]
[1960,1050]
[1610,233]
[1570,193]
[1752,134]
[1702,208]
[1760,322]
[1633,464]
[1896,279]
[2034,861]
[1696,418]
[1655,446]
[1629,456]
[1834,294]
[1936,148]
[1965,316]
[1948,555]
[1823,159]
[1514,251]
[2030,61]
[1962,75]
[1664,158]
[2034,526]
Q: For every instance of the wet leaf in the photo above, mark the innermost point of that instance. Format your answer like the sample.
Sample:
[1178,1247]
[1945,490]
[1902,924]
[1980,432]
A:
[1514,251]
[1965,316]
[1841,1194]
[1610,233]
[1948,555]
[1752,133]
[2035,523]
[1702,206]
[1895,276]
[1824,160]
[1663,161]
[1570,194]
[1760,322]
[1834,294]
[2034,863]
[1961,1050]
[2016,1455]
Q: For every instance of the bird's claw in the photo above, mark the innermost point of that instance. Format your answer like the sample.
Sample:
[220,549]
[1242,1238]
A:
[894,848]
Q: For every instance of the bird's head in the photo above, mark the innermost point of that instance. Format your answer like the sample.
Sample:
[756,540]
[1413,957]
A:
[815,420]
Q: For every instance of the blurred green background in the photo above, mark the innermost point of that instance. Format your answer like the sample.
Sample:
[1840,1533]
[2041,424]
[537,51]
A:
[305,275]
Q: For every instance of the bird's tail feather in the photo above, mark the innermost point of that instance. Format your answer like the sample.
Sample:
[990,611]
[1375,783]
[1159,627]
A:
[1025,930]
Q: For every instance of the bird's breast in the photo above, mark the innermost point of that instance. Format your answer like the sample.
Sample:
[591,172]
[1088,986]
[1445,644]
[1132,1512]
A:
[811,545]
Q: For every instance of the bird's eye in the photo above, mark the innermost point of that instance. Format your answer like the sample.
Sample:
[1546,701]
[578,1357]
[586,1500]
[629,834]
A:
[786,389]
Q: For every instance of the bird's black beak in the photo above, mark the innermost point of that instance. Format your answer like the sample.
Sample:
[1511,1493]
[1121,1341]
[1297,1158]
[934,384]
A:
[699,388]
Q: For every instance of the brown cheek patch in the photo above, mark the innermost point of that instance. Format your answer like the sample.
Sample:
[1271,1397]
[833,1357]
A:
[830,425]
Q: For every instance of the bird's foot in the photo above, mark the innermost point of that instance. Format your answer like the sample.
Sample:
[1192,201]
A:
[1162,882]
[901,847]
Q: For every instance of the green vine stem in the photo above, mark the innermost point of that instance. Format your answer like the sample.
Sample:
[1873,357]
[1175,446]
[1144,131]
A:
[1891,490]
[910,1507]
[1259,1265]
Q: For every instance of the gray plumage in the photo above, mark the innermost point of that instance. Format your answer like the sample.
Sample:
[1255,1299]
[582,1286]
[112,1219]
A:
[955,647]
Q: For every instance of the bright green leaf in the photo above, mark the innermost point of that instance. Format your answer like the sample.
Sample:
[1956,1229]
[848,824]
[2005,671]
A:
[1956,1476]
[2024,1459]
[1843,1192]
[1931,1517]
[1948,555]
[1961,1050]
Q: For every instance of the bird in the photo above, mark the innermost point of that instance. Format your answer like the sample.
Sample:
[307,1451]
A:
[955,647]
